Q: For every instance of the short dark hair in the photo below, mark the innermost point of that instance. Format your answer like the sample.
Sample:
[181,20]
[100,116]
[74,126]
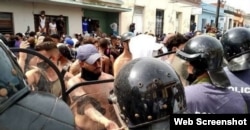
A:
[175,41]
[47,38]
[56,36]
[32,34]
[113,37]
[19,34]
[89,40]
[104,43]
[47,46]
[42,12]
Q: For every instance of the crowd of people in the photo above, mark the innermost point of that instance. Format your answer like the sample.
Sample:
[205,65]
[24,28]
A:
[201,74]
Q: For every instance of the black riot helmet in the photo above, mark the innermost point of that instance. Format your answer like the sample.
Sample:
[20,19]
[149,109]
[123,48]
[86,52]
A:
[236,44]
[3,39]
[12,78]
[148,91]
[127,36]
[65,51]
[205,54]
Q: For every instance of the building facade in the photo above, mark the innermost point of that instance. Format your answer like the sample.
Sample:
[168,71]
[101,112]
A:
[208,17]
[156,17]
[234,17]
[247,20]
[17,15]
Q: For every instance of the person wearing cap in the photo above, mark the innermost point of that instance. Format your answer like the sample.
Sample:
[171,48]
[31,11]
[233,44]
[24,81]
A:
[69,42]
[89,103]
[126,55]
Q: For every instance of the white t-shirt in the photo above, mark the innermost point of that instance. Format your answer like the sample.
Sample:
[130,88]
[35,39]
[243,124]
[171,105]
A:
[42,22]
[52,26]
[113,26]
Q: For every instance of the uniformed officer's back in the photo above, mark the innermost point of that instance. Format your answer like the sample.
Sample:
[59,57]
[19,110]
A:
[237,53]
[209,92]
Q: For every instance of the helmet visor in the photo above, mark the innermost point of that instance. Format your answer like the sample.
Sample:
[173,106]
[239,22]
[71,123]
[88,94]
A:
[188,57]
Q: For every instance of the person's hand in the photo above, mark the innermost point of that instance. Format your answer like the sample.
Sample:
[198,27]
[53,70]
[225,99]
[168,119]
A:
[22,55]
[24,45]
[110,125]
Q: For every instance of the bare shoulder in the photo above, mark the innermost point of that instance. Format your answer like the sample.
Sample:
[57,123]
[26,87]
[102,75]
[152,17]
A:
[74,80]
[117,61]
[32,71]
[106,76]
[75,67]
[105,59]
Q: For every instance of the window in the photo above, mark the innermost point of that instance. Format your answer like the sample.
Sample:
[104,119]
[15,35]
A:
[49,18]
[159,22]
[6,23]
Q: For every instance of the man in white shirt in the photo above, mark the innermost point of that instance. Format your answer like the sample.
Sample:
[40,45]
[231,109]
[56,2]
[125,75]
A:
[114,27]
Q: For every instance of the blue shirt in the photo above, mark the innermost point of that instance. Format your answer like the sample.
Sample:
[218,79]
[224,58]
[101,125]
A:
[205,98]
[85,26]
[240,83]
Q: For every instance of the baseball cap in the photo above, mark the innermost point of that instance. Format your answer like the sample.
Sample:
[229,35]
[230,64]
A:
[69,41]
[87,53]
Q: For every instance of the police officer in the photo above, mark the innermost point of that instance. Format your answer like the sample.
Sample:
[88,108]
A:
[209,93]
[22,109]
[236,44]
[148,91]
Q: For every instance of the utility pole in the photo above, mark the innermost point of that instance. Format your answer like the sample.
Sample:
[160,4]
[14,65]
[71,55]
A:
[217,14]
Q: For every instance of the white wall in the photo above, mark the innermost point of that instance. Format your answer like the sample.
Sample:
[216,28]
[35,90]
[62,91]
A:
[149,15]
[186,11]
[23,14]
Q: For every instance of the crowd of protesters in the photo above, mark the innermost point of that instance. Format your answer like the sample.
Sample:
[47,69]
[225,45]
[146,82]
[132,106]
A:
[88,57]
